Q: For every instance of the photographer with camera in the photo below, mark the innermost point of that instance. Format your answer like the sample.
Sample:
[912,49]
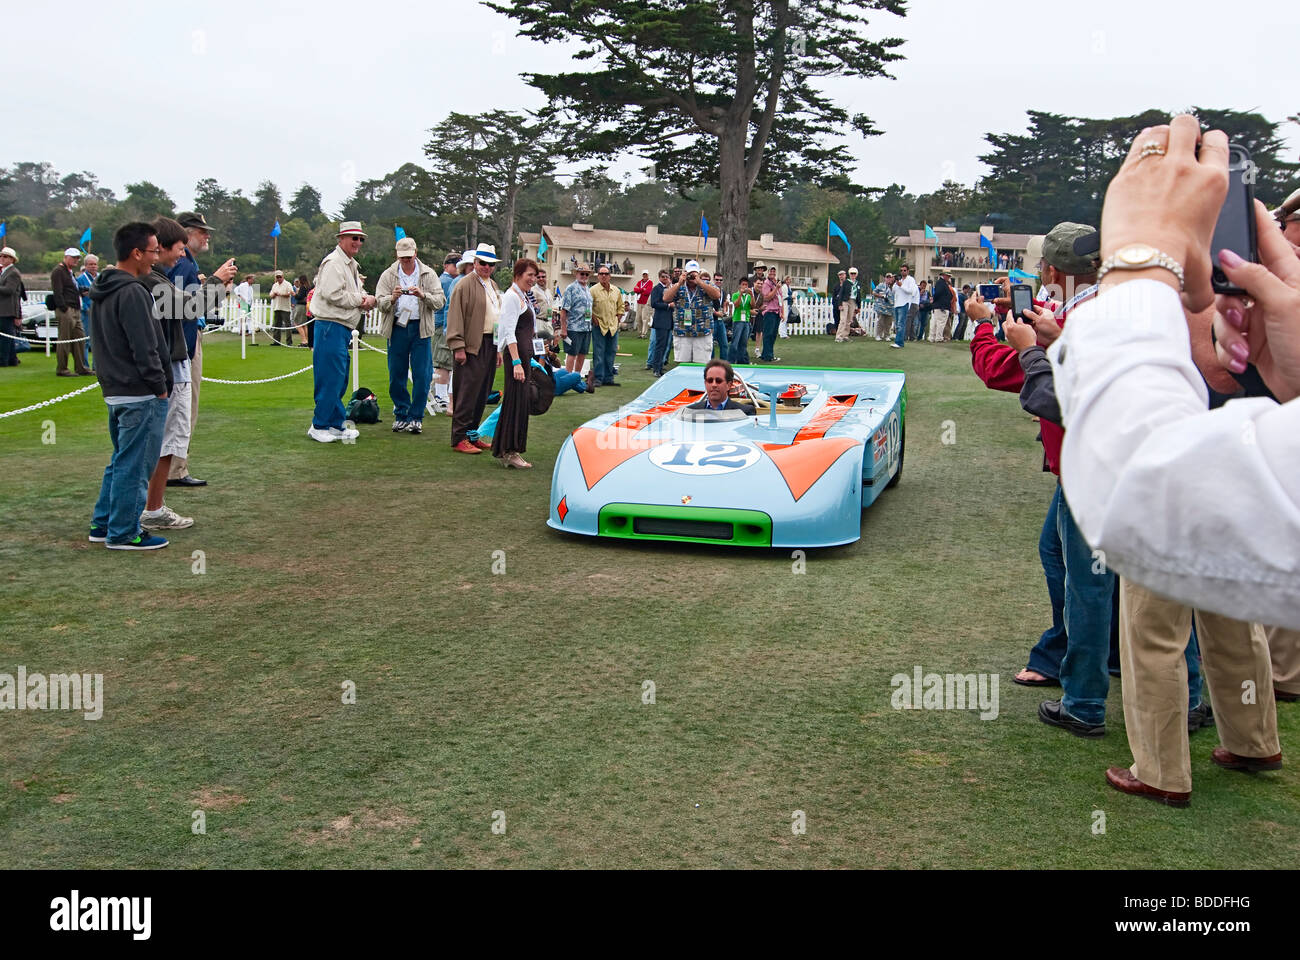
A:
[692,302]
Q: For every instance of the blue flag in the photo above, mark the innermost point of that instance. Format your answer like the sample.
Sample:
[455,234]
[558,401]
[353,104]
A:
[85,237]
[988,245]
[931,235]
[3,228]
[542,248]
[704,228]
[399,233]
[833,229]
[1021,275]
[275,231]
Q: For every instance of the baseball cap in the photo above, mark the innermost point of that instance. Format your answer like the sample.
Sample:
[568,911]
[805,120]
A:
[72,252]
[1072,248]
[406,247]
[691,267]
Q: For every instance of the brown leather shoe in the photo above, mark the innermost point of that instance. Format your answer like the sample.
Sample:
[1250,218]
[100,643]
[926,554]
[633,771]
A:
[1230,761]
[1122,779]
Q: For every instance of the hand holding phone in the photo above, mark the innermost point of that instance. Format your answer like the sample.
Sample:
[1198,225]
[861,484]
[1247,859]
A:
[1022,301]
[1235,229]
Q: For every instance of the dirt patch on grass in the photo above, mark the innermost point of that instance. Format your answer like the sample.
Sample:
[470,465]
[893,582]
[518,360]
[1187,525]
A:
[217,798]
[63,797]
[363,824]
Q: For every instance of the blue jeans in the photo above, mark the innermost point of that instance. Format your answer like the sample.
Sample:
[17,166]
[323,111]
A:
[603,350]
[900,323]
[329,357]
[771,322]
[566,381]
[1088,597]
[1045,657]
[85,347]
[739,342]
[136,430]
[720,338]
[660,341]
[407,349]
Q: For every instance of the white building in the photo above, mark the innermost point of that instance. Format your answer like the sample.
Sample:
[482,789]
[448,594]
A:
[629,252]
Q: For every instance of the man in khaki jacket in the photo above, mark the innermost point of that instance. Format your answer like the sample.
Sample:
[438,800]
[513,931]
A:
[337,306]
[281,308]
[471,323]
[67,307]
[409,294]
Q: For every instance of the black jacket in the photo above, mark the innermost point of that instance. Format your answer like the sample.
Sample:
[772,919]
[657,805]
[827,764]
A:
[663,313]
[731,404]
[1038,393]
[127,338]
[169,307]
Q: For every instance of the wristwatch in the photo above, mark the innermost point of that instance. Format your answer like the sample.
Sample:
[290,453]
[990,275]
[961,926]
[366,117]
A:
[1140,256]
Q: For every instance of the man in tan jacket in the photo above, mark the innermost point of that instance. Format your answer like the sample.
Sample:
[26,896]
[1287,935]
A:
[471,323]
[281,309]
[337,306]
[409,295]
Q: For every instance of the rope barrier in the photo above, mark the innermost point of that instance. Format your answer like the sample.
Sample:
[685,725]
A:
[285,376]
[46,403]
[369,347]
[43,340]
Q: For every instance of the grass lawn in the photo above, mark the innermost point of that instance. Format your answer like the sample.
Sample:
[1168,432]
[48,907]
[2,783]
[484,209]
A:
[522,692]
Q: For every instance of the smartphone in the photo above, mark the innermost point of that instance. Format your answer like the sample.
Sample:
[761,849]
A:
[1022,299]
[1235,229]
[990,291]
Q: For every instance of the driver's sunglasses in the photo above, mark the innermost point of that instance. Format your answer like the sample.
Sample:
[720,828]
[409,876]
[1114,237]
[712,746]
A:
[715,379]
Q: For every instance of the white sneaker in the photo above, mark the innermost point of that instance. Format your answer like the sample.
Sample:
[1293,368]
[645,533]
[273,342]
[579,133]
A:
[324,436]
[897,346]
[344,434]
[399,426]
[165,519]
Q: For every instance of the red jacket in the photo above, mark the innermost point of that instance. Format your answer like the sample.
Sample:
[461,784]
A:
[998,365]
[642,290]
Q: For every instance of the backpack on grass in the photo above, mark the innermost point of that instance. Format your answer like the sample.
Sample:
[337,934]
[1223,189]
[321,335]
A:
[363,407]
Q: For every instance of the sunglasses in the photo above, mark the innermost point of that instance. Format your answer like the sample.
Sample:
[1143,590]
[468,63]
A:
[715,379]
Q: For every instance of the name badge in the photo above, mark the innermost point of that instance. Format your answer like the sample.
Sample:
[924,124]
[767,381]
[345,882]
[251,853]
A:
[539,347]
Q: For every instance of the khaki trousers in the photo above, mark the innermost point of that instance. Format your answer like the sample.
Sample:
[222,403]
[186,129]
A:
[1284,650]
[70,328]
[939,320]
[181,465]
[643,317]
[1153,633]
[847,310]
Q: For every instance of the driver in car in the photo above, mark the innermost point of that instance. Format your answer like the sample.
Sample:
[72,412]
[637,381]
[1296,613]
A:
[718,377]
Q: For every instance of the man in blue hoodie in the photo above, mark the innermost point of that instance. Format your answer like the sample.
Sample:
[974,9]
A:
[135,377]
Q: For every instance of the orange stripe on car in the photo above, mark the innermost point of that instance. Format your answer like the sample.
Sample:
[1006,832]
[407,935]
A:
[802,464]
[600,451]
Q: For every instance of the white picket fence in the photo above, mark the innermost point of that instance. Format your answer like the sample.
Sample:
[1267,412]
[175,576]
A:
[814,314]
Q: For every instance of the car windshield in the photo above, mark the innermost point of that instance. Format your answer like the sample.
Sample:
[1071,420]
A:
[711,416]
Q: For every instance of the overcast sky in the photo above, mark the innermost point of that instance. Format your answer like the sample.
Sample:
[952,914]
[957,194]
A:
[330,92]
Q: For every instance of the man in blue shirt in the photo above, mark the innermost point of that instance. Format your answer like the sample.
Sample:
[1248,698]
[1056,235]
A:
[85,280]
[575,319]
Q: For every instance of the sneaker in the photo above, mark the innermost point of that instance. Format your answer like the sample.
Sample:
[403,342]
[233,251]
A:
[98,534]
[466,447]
[165,519]
[482,445]
[340,434]
[415,426]
[399,425]
[897,346]
[324,436]
[1200,716]
[141,541]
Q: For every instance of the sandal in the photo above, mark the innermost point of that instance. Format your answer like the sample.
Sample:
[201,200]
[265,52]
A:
[1042,681]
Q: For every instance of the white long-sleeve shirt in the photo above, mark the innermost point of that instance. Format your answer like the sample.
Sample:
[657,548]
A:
[1200,505]
[906,291]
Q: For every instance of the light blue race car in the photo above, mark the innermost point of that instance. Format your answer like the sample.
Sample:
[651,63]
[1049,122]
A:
[824,445]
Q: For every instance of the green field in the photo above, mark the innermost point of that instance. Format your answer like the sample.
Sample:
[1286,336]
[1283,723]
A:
[522,692]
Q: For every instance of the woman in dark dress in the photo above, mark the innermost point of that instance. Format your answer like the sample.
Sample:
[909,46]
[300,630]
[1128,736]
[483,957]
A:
[515,345]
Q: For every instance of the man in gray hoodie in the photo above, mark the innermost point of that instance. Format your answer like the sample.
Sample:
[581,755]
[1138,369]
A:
[135,376]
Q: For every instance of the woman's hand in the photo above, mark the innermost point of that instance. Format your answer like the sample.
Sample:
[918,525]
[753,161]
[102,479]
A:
[1169,200]
[519,372]
[1266,333]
